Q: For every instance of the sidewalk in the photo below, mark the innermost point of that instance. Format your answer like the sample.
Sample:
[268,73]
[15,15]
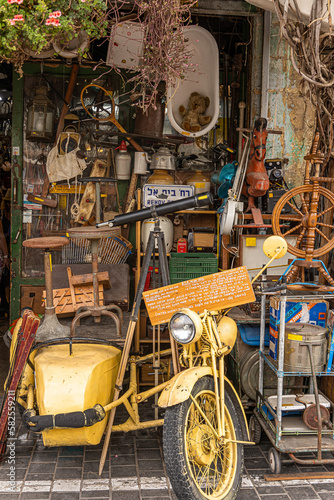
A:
[134,470]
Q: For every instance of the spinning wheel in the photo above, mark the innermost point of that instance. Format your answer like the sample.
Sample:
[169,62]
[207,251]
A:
[308,219]
[311,219]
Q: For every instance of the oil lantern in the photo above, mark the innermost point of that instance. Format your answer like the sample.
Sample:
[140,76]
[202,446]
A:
[41,112]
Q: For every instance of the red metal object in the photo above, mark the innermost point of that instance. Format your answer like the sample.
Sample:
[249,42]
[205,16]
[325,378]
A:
[257,181]
[26,337]
[182,245]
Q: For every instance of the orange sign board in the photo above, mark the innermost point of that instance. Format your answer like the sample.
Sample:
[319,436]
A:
[213,292]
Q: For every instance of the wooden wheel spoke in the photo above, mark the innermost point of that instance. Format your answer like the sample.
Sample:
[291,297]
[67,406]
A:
[295,209]
[322,234]
[325,211]
[300,237]
[289,218]
[325,225]
[304,204]
[292,230]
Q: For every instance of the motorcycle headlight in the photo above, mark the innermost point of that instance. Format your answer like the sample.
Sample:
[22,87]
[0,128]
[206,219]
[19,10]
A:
[185,326]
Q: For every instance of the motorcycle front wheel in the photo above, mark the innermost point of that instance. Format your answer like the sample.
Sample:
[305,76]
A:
[199,466]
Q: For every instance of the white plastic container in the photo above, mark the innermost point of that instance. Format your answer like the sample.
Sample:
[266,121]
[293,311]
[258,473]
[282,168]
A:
[204,80]
[126,45]
[166,227]
[123,163]
[140,163]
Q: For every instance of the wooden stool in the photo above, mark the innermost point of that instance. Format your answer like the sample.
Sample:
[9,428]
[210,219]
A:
[93,234]
[50,328]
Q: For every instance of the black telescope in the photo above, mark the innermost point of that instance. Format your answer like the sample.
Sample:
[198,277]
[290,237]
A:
[199,200]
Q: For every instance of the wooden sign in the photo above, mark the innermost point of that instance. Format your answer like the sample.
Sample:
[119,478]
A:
[213,292]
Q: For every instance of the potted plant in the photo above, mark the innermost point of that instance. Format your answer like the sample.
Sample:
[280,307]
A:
[42,28]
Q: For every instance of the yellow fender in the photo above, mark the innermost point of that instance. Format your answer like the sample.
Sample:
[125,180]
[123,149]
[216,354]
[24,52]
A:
[181,385]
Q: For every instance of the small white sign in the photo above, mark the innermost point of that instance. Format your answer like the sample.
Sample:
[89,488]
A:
[159,194]
[27,216]
[16,150]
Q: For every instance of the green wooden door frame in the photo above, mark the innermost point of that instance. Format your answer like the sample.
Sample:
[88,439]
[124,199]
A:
[17,280]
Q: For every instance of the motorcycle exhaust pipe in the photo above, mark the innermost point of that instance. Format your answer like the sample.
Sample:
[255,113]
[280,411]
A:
[199,200]
[73,420]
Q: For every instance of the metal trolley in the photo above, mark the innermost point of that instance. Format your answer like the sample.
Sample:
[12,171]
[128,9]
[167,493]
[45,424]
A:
[286,430]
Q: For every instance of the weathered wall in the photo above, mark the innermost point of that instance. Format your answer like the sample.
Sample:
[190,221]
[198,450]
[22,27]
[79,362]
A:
[289,109]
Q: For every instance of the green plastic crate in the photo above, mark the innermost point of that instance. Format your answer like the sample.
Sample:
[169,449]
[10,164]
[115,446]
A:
[186,266]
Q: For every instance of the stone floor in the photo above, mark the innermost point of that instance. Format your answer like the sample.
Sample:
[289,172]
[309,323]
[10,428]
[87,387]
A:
[134,469]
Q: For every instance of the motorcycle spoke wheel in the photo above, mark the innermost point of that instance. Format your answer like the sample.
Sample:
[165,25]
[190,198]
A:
[199,465]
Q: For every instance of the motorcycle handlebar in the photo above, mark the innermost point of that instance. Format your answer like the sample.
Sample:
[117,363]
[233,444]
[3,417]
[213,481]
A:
[199,200]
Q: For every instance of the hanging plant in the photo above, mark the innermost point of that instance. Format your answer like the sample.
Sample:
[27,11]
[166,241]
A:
[33,26]
[165,57]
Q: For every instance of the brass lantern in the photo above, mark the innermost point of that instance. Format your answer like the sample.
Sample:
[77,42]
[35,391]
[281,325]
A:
[41,112]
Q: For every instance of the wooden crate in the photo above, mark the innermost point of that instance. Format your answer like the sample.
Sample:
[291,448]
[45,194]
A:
[84,296]
[32,296]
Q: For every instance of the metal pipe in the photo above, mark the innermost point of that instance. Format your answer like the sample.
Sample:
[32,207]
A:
[316,397]
[265,63]
[49,307]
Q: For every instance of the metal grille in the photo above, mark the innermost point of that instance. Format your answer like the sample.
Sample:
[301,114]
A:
[112,250]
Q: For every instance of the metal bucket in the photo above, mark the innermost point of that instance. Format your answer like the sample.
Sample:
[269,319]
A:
[296,355]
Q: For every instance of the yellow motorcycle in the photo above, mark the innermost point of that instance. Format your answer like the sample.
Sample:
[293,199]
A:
[70,386]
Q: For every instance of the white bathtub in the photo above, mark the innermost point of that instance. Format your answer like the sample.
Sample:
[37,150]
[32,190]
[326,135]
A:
[205,79]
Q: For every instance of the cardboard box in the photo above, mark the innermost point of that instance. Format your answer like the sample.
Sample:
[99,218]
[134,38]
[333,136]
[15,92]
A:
[312,312]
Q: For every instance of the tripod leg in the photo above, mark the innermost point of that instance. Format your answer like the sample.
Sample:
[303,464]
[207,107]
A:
[166,281]
[127,343]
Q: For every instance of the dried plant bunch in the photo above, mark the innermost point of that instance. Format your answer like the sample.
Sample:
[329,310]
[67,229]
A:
[165,55]
[312,52]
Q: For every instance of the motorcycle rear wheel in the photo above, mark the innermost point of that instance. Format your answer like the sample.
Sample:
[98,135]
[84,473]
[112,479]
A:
[198,466]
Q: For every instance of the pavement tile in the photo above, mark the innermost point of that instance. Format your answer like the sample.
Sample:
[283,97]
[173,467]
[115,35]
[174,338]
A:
[256,463]
[69,461]
[301,492]
[45,467]
[326,496]
[41,456]
[270,490]
[147,443]
[123,471]
[19,474]
[161,494]
[278,496]
[253,452]
[122,449]
[247,494]
[92,456]
[93,467]
[66,451]
[95,494]
[125,495]
[65,496]
[8,496]
[150,464]
[151,454]
[323,486]
[35,496]
[122,460]
[39,476]
[20,463]
[68,473]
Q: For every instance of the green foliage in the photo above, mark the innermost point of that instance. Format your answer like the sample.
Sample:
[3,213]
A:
[39,28]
